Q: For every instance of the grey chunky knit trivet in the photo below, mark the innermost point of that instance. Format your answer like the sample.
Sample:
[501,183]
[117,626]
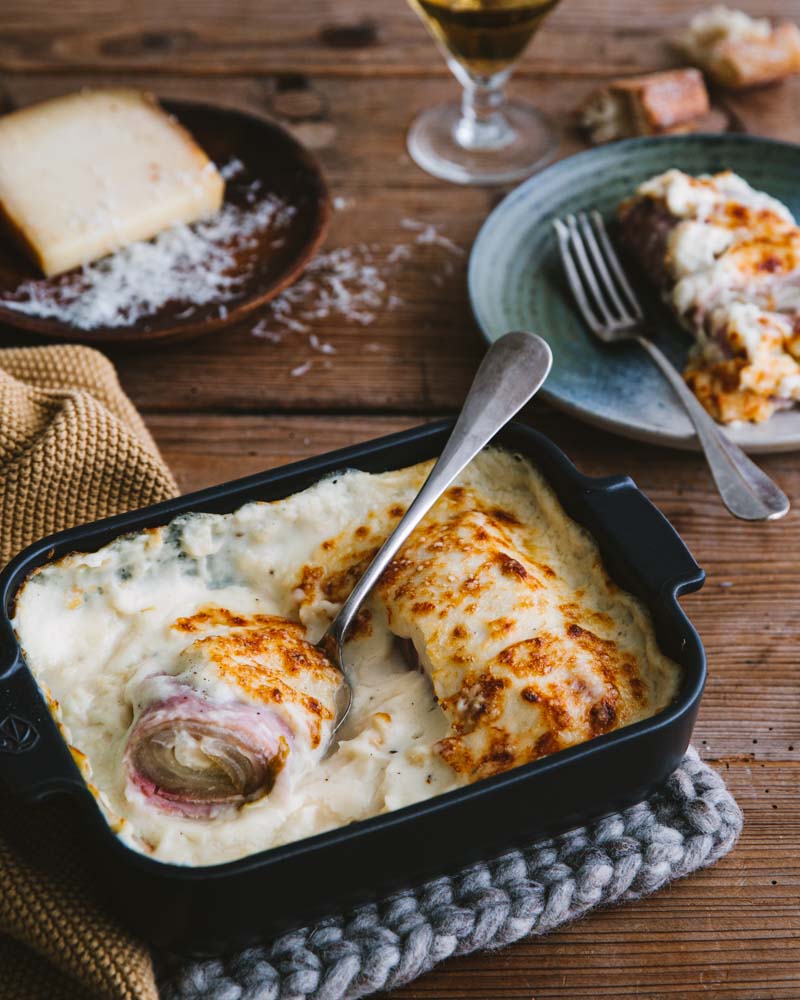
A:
[689,823]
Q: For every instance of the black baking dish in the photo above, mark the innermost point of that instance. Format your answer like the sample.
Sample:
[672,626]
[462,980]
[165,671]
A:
[215,908]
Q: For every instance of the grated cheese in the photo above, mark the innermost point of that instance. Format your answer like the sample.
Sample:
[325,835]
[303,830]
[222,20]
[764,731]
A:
[190,265]
[350,283]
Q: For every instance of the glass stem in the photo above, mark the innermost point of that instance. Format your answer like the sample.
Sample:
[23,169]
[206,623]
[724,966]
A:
[483,124]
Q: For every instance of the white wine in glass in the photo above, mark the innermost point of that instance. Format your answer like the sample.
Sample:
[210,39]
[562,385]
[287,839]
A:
[485,140]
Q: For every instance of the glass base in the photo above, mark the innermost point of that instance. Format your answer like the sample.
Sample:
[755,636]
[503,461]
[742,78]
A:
[434,146]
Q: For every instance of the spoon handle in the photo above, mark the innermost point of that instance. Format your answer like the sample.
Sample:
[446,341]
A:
[514,368]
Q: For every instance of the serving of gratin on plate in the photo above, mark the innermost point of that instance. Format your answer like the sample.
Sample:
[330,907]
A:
[707,224]
[727,259]
[179,662]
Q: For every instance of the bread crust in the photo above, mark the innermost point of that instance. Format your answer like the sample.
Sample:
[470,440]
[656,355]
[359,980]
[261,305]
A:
[738,51]
[652,104]
[752,62]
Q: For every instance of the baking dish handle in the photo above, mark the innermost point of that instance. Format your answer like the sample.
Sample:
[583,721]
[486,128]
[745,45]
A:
[34,759]
[626,522]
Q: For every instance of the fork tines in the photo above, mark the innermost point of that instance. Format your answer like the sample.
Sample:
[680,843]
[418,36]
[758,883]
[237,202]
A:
[598,282]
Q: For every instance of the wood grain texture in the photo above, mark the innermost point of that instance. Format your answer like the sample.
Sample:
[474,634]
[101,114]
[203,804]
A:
[319,36]
[582,37]
[347,78]
[415,356]
[717,934]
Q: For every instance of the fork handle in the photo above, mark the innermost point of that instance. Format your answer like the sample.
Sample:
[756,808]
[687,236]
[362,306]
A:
[746,491]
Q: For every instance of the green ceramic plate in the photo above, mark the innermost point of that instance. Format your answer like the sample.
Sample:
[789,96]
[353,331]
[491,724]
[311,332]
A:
[516,282]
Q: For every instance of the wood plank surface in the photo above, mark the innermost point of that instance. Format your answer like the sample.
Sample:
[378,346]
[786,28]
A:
[319,36]
[729,933]
[347,38]
[419,351]
[347,78]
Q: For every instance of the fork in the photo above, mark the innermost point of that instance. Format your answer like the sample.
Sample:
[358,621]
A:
[611,310]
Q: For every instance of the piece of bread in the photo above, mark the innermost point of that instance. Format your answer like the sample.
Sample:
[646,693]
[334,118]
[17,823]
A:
[645,105]
[86,174]
[738,51]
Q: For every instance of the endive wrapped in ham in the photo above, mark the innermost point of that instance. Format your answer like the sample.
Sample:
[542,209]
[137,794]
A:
[250,698]
[528,644]
[521,664]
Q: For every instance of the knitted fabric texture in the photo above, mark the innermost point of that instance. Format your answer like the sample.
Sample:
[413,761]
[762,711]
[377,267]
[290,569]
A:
[72,446]
[72,449]
[689,823]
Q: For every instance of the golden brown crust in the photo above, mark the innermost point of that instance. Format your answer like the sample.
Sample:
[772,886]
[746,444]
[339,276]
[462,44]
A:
[537,683]
[776,252]
[645,105]
[521,661]
[718,387]
[664,100]
[737,51]
[535,694]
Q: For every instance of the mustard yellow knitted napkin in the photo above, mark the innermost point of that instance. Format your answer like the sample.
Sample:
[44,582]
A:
[72,449]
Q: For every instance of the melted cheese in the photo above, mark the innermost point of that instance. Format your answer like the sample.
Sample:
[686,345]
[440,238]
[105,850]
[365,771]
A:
[529,646]
[525,644]
[688,197]
[732,274]
[267,661]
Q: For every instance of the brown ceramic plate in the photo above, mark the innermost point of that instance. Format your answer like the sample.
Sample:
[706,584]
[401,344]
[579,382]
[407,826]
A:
[272,162]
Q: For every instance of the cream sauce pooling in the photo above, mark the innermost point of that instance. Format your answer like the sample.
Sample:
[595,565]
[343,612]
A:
[94,625]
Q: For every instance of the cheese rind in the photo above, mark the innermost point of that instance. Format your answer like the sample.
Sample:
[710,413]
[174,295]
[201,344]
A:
[86,174]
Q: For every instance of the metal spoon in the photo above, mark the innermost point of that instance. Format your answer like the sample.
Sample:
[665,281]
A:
[512,371]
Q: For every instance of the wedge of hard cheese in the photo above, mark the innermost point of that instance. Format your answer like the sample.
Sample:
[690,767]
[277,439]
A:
[84,175]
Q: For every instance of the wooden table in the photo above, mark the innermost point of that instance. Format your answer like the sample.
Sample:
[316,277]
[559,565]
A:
[348,77]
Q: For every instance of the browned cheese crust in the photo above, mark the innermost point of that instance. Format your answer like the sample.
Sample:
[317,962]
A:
[735,297]
[522,662]
[265,657]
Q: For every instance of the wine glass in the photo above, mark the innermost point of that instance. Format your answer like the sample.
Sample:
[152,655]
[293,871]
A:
[485,140]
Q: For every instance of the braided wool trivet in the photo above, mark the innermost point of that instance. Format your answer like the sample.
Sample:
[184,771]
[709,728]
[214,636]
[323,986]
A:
[689,823]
